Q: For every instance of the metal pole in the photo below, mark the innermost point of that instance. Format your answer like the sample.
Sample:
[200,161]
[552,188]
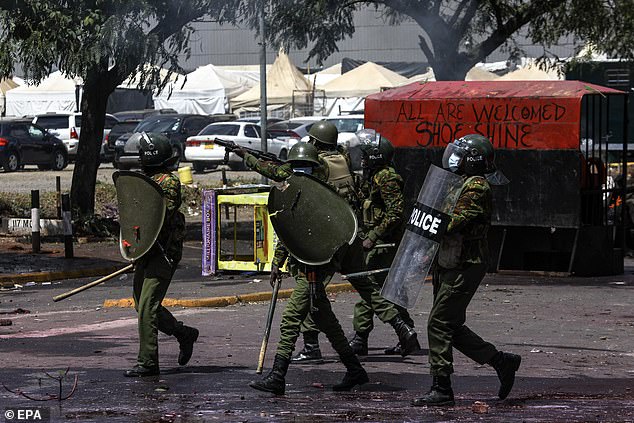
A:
[263,123]
[68,227]
[58,198]
[35,220]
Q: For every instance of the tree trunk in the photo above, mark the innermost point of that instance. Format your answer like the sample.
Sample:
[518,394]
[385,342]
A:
[93,109]
[451,66]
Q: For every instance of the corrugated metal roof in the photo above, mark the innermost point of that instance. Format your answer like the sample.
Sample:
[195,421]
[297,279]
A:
[493,89]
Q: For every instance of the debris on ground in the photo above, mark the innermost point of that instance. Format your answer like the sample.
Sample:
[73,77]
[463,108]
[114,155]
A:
[480,407]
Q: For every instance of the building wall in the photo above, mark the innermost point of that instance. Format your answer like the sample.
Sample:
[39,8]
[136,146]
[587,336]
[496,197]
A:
[373,40]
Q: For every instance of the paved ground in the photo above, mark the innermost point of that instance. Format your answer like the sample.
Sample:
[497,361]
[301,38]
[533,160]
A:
[576,336]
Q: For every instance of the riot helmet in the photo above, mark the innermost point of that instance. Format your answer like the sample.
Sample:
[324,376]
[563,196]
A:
[470,155]
[156,151]
[376,150]
[324,132]
[303,157]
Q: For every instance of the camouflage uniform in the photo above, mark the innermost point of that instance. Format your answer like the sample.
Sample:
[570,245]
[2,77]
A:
[455,286]
[278,171]
[153,274]
[382,223]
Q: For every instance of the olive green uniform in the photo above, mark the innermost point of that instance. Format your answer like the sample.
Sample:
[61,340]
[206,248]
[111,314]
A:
[382,223]
[298,307]
[462,264]
[153,274]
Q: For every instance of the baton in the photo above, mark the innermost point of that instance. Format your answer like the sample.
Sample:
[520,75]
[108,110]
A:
[392,245]
[364,274]
[91,284]
[312,288]
[269,322]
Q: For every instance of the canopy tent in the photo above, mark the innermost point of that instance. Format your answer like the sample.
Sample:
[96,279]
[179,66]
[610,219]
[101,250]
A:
[5,85]
[347,92]
[324,76]
[54,93]
[478,73]
[428,76]
[366,79]
[132,81]
[283,81]
[206,90]
[530,71]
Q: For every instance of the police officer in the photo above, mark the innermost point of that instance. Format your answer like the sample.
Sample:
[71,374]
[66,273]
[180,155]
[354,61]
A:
[303,158]
[335,170]
[382,225]
[153,272]
[461,266]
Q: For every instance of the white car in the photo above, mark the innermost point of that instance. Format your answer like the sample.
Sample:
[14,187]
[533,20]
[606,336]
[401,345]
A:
[67,125]
[204,153]
[347,126]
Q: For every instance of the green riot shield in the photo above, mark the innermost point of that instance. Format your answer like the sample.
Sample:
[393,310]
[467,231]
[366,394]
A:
[141,212]
[311,219]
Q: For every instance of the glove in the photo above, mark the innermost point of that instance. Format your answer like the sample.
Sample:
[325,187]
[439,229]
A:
[275,274]
[368,244]
[240,152]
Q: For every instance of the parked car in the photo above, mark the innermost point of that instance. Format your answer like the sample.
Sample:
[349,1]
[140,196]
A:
[67,127]
[25,143]
[205,154]
[139,115]
[347,126]
[256,119]
[291,130]
[122,128]
[177,127]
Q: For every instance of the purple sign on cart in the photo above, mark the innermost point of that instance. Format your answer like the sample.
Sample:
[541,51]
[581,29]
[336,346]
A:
[209,233]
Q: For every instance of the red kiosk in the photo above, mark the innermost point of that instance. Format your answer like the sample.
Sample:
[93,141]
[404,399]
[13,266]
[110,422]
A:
[558,143]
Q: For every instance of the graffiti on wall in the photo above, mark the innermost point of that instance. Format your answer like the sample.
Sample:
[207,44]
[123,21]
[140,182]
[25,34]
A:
[509,123]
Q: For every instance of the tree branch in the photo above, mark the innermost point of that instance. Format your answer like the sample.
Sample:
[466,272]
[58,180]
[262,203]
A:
[524,16]
[463,24]
[458,12]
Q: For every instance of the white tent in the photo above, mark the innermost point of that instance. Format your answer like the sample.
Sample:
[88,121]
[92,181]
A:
[324,76]
[55,93]
[347,93]
[205,91]
[5,85]
[478,73]
[369,78]
[530,72]
[283,80]
[428,76]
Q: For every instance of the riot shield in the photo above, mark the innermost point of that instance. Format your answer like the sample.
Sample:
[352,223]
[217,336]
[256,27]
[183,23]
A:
[424,230]
[141,212]
[311,219]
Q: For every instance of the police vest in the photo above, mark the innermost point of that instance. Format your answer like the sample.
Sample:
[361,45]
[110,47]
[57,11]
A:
[339,176]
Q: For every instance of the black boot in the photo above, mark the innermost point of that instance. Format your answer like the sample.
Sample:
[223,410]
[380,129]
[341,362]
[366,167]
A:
[440,393]
[408,339]
[186,337]
[274,382]
[395,350]
[311,352]
[359,343]
[505,364]
[355,373]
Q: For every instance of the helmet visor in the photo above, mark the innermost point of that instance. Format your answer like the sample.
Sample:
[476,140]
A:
[452,157]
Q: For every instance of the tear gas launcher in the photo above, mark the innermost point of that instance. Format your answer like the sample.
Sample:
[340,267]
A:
[231,146]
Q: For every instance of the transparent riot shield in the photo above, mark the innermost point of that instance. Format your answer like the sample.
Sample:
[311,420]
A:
[424,230]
